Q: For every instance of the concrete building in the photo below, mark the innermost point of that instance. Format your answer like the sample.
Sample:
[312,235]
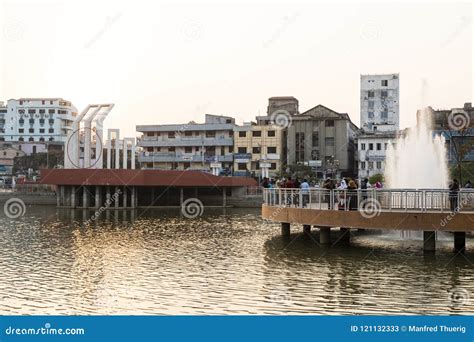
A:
[379,103]
[190,146]
[324,139]
[258,148]
[283,103]
[8,154]
[36,120]
[379,121]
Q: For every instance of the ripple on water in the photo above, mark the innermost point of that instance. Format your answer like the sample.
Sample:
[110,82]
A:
[224,262]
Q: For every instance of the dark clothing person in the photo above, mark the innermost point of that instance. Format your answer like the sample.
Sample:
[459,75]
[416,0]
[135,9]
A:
[453,195]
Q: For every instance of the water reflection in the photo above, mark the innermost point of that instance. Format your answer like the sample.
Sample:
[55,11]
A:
[224,262]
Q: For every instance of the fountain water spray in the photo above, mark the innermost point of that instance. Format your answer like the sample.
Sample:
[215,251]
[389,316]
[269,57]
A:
[418,159]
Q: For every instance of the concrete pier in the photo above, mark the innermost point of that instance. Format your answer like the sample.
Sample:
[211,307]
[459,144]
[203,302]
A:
[459,242]
[324,235]
[98,198]
[307,229]
[429,241]
[285,229]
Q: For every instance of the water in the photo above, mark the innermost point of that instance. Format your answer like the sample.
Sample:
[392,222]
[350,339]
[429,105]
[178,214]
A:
[418,160]
[225,262]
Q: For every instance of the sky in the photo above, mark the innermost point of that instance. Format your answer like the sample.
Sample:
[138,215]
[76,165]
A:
[172,62]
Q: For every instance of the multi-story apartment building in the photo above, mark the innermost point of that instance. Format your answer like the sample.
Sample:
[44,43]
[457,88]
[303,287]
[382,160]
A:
[36,120]
[324,139]
[258,147]
[188,146]
[286,103]
[379,121]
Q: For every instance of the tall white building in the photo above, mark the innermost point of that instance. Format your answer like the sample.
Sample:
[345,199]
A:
[379,121]
[379,103]
[33,120]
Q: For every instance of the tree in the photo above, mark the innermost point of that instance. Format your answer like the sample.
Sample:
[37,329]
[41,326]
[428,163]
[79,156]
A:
[378,177]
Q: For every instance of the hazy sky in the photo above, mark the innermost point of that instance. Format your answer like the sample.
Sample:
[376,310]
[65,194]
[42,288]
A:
[169,62]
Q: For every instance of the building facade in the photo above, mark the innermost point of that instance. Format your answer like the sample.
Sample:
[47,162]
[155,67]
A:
[283,103]
[189,146]
[379,121]
[257,149]
[38,120]
[323,139]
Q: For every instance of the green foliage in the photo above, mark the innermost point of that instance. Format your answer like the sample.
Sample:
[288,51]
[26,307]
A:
[38,160]
[378,177]
[462,172]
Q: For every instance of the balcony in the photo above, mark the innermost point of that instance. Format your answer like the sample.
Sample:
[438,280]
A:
[148,157]
[163,142]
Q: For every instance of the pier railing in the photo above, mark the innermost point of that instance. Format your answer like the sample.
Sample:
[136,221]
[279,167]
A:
[413,200]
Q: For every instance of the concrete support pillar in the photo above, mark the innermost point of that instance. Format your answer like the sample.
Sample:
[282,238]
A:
[133,203]
[344,235]
[73,196]
[459,242]
[285,229]
[224,197]
[324,235]
[98,197]
[85,197]
[107,196]
[307,229]
[181,197]
[61,195]
[117,196]
[429,241]
[125,197]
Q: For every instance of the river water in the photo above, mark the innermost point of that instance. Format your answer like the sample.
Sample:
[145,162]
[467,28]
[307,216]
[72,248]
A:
[227,261]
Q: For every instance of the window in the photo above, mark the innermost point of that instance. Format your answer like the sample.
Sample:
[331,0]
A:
[256,133]
[371,104]
[371,165]
[362,146]
[188,133]
[31,111]
[271,133]
[41,130]
[273,166]
[386,145]
[42,102]
[383,93]
[210,134]
[31,130]
[242,150]
[41,121]
[21,130]
[21,102]
[370,115]
[188,149]
[52,111]
[31,139]
[171,149]
[371,146]
[384,114]
[242,166]
[329,123]
[34,148]
[51,102]
[379,146]
[32,121]
[384,83]
[21,139]
[51,139]
[299,146]
[21,121]
[21,111]
[315,139]
[370,93]
[51,130]
[379,165]
[41,139]
[329,141]
[51,121]
[256,150]
[149,149]
[149,134]
[242,134]
[228,121]
[362,165]
[271,149]
[171,135]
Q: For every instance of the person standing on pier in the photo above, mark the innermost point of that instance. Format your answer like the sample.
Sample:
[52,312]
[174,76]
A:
[305,192]
[453,195]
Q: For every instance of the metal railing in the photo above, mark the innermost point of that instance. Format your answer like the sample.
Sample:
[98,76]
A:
[410,200]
